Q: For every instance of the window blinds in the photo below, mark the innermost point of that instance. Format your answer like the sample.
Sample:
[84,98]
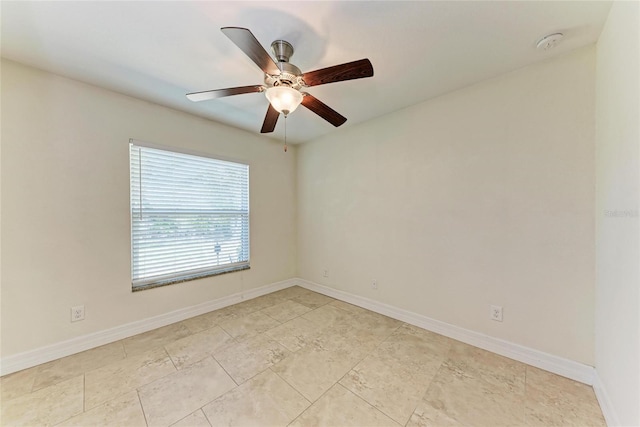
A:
[189,216]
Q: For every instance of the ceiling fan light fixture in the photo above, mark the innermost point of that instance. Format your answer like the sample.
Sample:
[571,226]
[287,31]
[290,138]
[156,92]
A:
[284,99]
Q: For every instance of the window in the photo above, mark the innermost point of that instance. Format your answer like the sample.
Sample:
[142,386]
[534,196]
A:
[189,216]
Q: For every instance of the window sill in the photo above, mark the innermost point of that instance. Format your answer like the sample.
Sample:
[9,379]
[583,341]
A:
[175,280]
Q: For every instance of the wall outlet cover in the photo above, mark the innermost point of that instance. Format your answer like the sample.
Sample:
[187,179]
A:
[496,313]
[77,313]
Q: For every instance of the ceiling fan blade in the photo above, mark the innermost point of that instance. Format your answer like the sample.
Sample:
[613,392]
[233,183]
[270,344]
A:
[219,93]
[247,42]
[270,120]
[337,73]
[323,110]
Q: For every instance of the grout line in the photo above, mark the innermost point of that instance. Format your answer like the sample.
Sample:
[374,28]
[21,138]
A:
[84,392]
[223,368]
[426,390]
[373,406]
[299,393]
[124,348]
[225,331]
[124,351]
[205,414]
[291,385]
[201,408]
[144,414]
[35,377]
[149,382]
[171,358]
[252,377]
[370,354]
[188,415]
[300,414]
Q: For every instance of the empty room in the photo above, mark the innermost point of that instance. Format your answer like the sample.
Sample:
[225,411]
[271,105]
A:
[334,213]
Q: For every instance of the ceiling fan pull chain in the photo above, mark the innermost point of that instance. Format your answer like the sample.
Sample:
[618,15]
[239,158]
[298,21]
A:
[285,133]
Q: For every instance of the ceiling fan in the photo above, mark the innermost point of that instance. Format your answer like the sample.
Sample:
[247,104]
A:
[283,81]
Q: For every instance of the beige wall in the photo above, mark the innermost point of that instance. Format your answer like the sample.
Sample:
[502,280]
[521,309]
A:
[65,207]
[617,204]
[482,196]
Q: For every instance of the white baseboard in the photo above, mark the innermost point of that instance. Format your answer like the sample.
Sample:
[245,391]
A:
[558,365]
[610,415]
[27,359]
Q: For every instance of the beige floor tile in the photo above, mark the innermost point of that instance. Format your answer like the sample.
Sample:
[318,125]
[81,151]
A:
[117,378]
[286,310]
[196,347]
[411,344]
[264,400]
[171,398]
[345,335]
[497,370]
[358,367]
[45,407]
[353,309]
[124,410]
[296,333]
[340,407]
[197,419]
[368,342]
[156,338]
[18,383]
[552,400]
[209,320]
[255,304]
[292,292]
[249,326]
[315,368]
[77,364]
[246,359]
[393,387]
[427,416]
[259,303]
[463,397]
[373,328]
[376,322]
[312,299]
[241,309]
[328,315]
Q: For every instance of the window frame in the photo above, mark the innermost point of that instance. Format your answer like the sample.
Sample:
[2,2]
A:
[193,274]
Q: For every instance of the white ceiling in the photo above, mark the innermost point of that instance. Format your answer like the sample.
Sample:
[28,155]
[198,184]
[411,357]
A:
[159,51]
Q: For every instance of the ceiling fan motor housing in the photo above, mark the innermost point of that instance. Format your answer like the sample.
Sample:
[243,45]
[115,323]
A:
[290,75]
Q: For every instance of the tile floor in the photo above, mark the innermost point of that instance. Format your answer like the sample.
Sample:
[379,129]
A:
[293,357]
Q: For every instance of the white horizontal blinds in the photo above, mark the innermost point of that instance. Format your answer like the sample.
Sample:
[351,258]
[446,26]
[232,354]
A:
[189,215]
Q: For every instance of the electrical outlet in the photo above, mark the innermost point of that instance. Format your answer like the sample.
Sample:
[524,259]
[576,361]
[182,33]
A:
[325,273]
[374,285]
[77,313]
[496,313]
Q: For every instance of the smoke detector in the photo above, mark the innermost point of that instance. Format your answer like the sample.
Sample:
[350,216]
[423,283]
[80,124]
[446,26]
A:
[550,41]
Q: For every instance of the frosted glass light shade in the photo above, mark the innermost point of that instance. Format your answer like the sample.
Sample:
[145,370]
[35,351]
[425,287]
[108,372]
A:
[284,99]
